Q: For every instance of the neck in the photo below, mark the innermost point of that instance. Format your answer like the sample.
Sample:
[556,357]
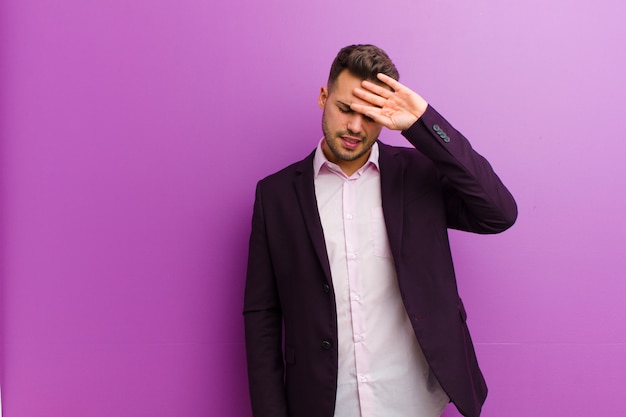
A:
[348,167]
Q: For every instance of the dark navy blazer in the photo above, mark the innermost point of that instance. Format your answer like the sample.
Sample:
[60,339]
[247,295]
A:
[289,305]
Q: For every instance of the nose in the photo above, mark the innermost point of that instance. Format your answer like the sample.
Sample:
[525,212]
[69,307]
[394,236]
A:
[355,124]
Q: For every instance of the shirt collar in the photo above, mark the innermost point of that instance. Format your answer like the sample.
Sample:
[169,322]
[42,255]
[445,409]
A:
[320,160]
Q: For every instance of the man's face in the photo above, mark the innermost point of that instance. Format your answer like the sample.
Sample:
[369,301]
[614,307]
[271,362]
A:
[348,135]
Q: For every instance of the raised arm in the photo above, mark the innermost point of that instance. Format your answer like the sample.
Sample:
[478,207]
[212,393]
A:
[476,199]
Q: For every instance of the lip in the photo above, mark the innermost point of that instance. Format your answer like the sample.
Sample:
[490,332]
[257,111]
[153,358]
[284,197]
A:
[350,142]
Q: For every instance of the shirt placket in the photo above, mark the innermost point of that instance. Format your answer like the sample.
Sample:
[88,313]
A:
[357,311]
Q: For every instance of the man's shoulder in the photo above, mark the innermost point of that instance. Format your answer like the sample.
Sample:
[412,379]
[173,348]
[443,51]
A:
[289,172]
[393,149]
[406,154]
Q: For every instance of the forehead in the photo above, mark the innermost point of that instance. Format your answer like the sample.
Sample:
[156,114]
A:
[344,86]
[345,83]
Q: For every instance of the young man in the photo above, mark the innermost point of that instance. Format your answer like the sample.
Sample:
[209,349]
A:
[351,305]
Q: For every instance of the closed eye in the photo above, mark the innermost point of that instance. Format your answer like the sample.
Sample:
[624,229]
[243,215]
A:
[345,109]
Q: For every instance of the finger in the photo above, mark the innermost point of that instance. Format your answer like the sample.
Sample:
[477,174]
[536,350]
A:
[395,84]
[369,111]
[373,113]
[377,89]
[362,108]
[371,98]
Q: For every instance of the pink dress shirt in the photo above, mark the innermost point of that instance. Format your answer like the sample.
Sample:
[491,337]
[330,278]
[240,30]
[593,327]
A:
[382,370]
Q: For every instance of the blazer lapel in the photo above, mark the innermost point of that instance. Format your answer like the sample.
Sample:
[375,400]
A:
[392,190]
[305,190]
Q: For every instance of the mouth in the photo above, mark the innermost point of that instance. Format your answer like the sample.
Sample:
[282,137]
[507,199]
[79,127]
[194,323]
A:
[350,142]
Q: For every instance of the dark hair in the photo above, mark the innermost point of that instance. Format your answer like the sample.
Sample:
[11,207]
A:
[363,61]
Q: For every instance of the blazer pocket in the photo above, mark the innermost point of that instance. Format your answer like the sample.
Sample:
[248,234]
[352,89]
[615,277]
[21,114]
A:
[379,233]
[290,355]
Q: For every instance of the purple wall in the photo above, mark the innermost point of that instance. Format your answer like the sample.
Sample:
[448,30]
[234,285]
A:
[133,133]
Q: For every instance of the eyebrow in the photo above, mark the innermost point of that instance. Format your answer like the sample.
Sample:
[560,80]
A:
[346,105]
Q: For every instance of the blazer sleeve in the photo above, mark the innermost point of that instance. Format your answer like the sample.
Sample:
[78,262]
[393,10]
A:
[263,324]
[476,199]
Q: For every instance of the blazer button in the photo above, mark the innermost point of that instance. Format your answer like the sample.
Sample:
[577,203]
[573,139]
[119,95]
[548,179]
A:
[326,288]
[326,345]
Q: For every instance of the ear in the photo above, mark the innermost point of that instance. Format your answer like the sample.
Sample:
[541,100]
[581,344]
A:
[321,101]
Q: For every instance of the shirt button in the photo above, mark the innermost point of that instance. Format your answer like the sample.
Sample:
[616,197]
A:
[352,255]
[363,378]
[349,216]
[357,297]
[326,288]
[326,345]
